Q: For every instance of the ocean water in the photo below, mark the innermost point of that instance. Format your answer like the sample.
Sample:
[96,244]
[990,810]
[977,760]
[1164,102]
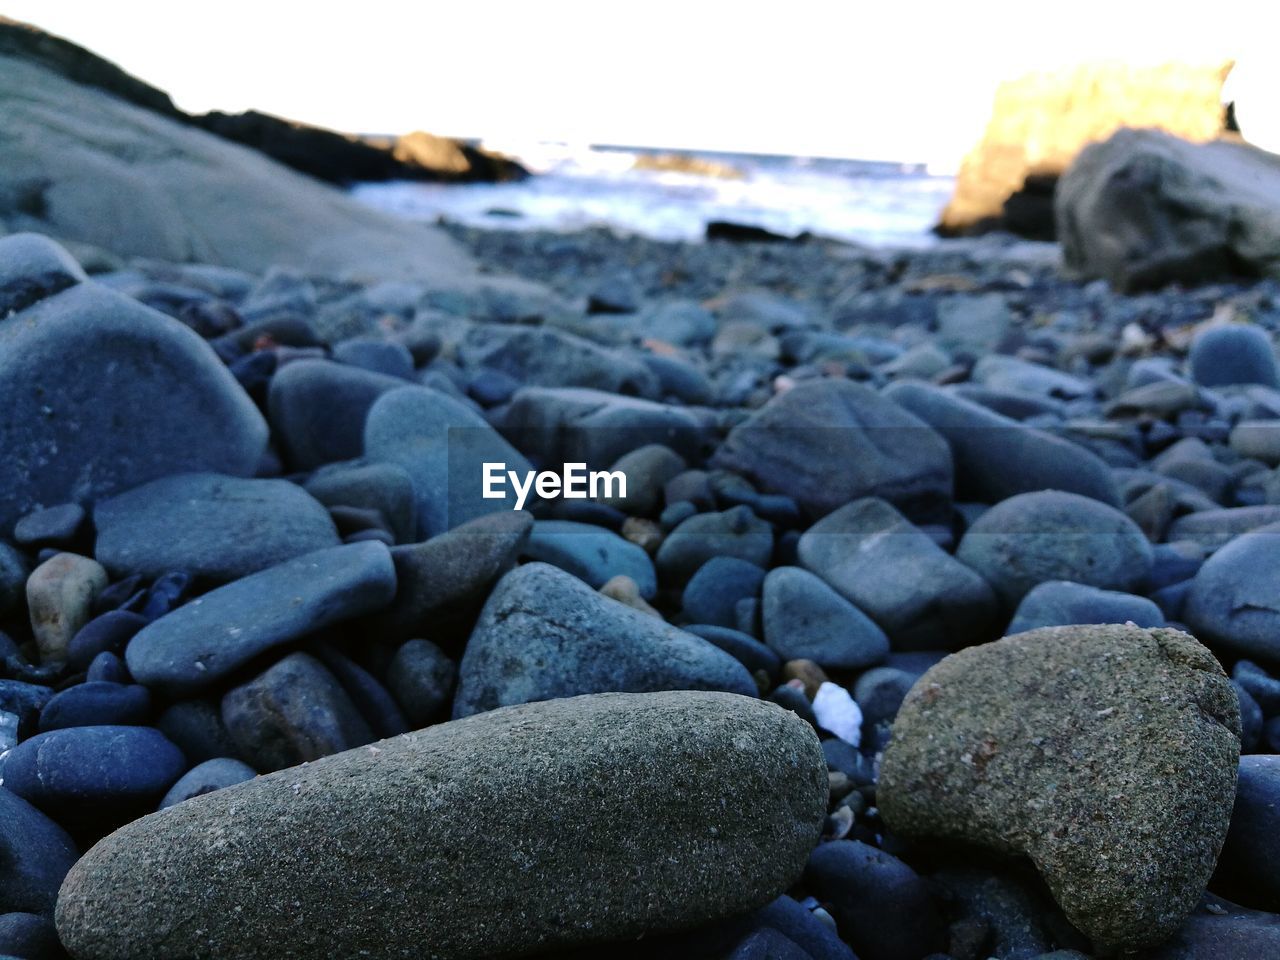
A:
[884,204]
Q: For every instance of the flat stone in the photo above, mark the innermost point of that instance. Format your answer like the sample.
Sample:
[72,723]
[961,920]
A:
[615,797]
[201,642]
[208,525]
[827,442]
[383,487]
[1060,603]
[1105,754]
[136,396]
[891,570]
[545,634]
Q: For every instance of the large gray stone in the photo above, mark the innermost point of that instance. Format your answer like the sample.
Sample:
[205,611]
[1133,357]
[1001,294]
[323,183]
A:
[1145,208]
[826,442]
[443,445]
[919,594]
[1105,754]
[545,634]
[210,526]
[208,638]
[101,394]
[518,831]
[137,183]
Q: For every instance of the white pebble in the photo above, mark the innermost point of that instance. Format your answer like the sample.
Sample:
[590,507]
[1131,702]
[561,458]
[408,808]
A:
[837,712]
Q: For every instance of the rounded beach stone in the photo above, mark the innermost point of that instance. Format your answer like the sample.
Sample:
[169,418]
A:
[33,267]
[1105,754]
[1060,603]
[1051,535]
[621,814]
[36,854]
[203,641]
[1232,353]
[544,633]
[135,395]
[1247,868]
[209,525]
[1232,602]
[215,774]
[804,619]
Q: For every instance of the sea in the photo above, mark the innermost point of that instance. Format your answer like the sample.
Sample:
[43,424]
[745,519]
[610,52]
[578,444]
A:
[672,195]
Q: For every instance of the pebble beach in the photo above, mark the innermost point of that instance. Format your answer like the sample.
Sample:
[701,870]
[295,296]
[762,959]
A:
[584,594]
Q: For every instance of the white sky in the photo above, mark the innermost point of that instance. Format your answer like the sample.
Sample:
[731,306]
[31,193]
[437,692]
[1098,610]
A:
[880,79]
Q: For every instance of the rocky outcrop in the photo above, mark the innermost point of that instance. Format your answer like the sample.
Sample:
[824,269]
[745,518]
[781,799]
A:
[342,158]
[325,154]
[82,164]
[1040,123]
[1146,208]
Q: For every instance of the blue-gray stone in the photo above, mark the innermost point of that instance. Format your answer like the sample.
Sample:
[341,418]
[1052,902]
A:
[804,619]
[545,634]
[105,633]
[919,594]
[212,526]
[996,457]
[24,701]
[136,395]
[826,442]
[1061,603]
[57,526]
[94,776]
[1246,869]
[387,357]
[421,678]
[1232,353]
[749,651]
[736,532]
[383,487]
[33,267]
[207,777]
[715,589]
[576,425]
[293,712]
[592,554]
[36,853]
[97,704]
[1232,600]
[14,570]
[1035,537]
[208,638]
[546,357]
[443,445]
[318,410]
